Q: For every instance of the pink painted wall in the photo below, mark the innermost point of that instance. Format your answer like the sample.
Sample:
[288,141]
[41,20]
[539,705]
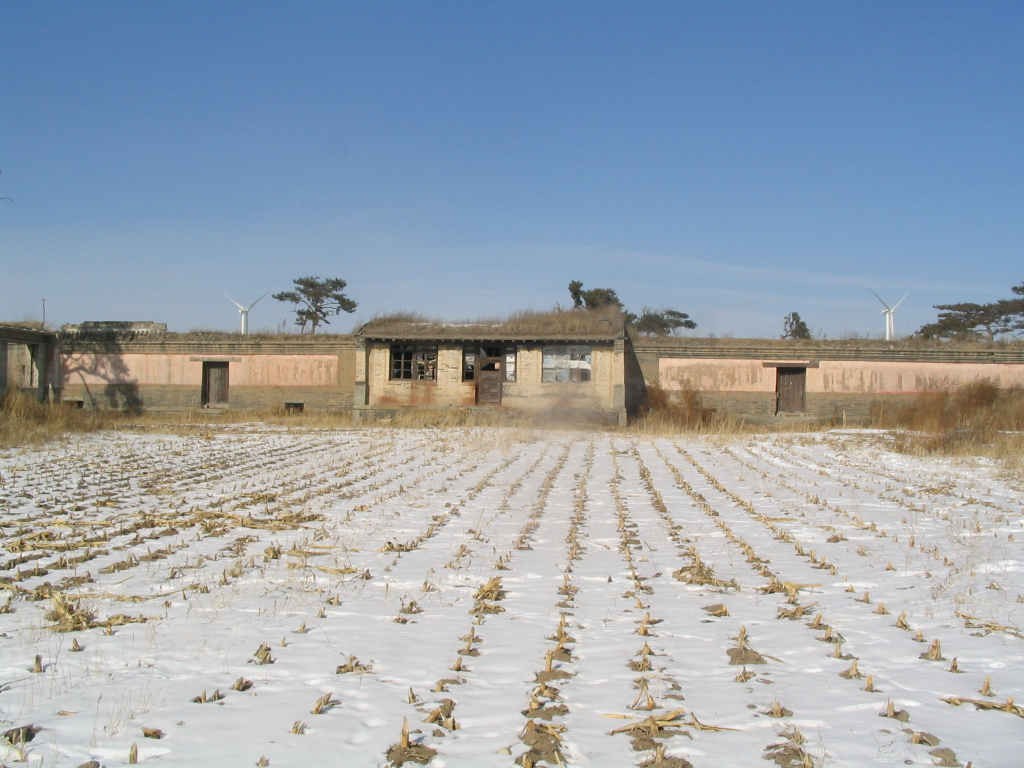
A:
[252,370]
[715,375]
[836,377]
[905,378]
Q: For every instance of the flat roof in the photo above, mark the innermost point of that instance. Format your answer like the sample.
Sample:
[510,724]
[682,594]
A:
[21,335]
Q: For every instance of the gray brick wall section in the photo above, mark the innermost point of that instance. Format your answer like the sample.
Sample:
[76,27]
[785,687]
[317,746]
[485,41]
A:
[173,399]
[760,406]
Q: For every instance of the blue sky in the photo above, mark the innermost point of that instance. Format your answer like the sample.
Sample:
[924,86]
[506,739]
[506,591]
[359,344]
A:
[737,161]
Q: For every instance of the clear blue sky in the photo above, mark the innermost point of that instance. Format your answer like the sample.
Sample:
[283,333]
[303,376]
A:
[736,160]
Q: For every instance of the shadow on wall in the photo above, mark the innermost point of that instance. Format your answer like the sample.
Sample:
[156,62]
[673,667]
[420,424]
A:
[103,361]
[636,386]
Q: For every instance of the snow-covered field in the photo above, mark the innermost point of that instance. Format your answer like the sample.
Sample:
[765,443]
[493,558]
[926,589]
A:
[545,598]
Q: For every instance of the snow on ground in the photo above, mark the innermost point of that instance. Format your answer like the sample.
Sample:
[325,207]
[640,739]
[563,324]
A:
[551,598]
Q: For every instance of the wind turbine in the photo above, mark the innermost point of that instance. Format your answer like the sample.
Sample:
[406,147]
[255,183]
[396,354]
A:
[890,326]
[244,312]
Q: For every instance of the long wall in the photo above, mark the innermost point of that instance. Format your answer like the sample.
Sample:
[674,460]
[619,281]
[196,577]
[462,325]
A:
[165,374]
[843,379]
[337,373]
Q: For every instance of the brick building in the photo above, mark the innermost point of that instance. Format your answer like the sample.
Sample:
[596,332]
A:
[531,366]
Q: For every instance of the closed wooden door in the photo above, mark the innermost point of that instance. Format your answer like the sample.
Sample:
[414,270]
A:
[215,383]
[489,376]
[792,385]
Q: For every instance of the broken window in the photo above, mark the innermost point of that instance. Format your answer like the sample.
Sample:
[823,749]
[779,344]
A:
[566,363]
[489,358]
[414,361]
[510,363]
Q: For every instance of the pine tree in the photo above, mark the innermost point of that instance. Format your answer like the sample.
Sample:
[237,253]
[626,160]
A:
[795,328]
[316,300]
[968,320]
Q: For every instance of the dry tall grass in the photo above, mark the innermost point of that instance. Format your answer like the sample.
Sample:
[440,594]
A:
[202,422]
[443,418]
[25,421]
[519,421]
[663,414]
[979,418]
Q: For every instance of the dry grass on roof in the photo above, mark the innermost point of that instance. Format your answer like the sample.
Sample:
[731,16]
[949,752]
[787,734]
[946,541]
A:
[557,322]
[200,336]
[25,325]
[810,346]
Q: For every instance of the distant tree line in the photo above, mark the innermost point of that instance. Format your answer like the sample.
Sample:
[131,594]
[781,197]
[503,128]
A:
[317,299]
[649,322]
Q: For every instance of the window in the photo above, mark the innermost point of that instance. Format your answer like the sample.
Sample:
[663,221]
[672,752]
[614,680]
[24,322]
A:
[510,363]
[414,361]
[475,359]
[568,363]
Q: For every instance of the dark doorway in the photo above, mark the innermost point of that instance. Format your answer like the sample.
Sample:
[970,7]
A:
[792,385]
[215,384]
[489,376]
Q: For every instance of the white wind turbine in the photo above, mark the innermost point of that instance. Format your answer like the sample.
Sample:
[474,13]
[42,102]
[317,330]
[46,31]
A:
[244,312]
[890,325]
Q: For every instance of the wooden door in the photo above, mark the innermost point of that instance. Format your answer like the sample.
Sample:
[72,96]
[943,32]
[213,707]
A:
[489,376]
[791,387]
[215,383]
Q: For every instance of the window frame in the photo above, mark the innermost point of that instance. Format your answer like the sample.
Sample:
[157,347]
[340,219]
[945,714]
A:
[508,354]
[567,364]
[412,362]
